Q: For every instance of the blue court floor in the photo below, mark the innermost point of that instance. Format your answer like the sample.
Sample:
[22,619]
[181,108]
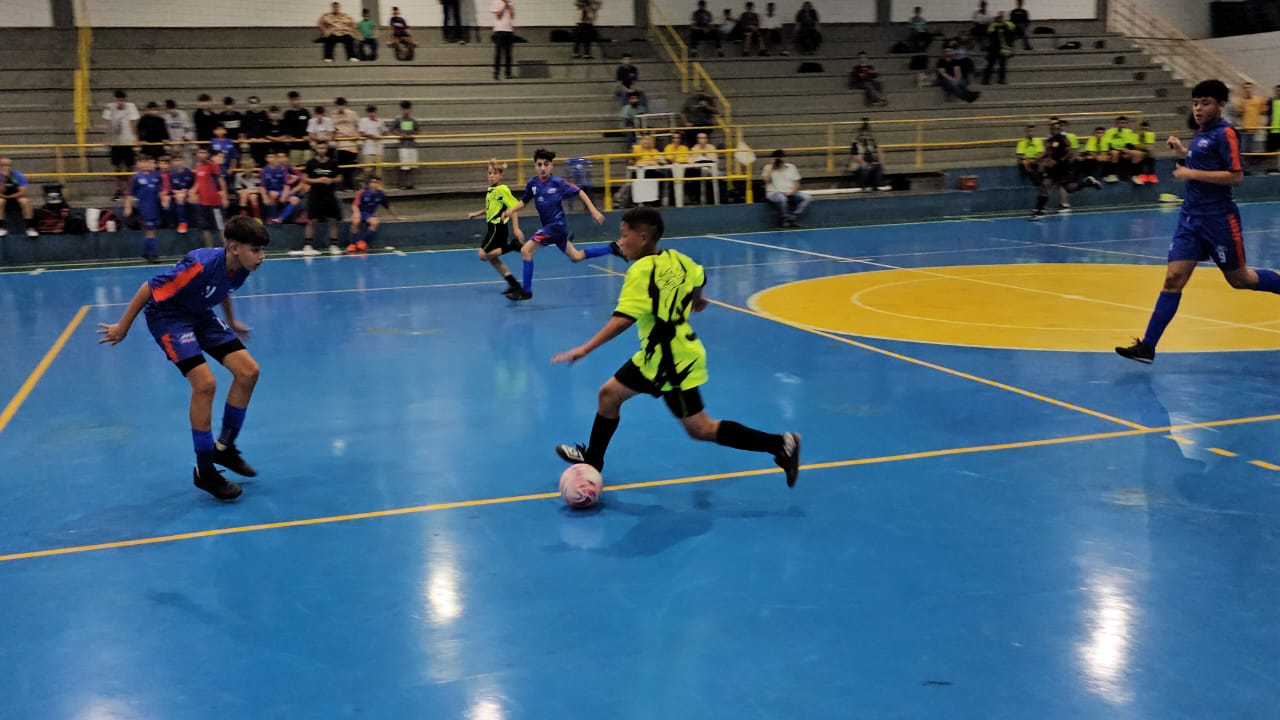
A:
[978,532]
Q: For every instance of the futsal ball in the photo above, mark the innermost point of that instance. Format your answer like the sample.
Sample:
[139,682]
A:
[581,485]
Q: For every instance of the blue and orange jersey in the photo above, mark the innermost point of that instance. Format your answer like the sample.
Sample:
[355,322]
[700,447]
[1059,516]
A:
[179,180]
[146,187]
[195,285]
[1215,147]
[369,200]
[229,148]
[547,196]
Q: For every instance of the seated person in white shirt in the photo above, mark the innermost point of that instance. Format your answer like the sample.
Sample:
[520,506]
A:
[782,189]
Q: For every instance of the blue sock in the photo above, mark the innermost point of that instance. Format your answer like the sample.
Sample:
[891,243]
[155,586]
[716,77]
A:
[369,234]
[182,212]
[149,247]
[288,210]
[1268,281]
[528,276]
[203,440]
[597,251]
[1166,308]
[232,421]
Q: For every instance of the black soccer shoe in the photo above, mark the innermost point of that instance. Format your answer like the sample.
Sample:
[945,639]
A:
[1138,351]
[789,458]
[574,454]
[230,459]
[519,295]
[215,485]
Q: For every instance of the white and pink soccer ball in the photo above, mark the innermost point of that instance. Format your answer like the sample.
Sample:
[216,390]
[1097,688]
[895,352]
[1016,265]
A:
[581,485]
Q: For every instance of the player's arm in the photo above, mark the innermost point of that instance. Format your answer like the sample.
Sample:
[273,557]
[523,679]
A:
[515,225]
[591,208]
[387,204]
[1213,177]
[238,327]
[617,325]
[114,333]
[511,211]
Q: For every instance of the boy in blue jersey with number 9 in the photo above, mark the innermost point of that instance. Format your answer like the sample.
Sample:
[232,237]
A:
[548,193]
[179,309]
[1209,223]
[661,288]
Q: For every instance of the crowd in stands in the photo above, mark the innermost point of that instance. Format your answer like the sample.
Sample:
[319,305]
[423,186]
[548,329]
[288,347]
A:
[752,32]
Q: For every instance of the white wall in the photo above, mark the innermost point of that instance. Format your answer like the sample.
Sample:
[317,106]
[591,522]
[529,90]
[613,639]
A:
[26,13]
[1191,17]
[678,12]
[529,13]
[953,10]
[1257,56]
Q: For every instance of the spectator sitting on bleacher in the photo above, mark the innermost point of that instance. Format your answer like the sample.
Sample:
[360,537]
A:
[676,152]
[406,127]
[921,36]
[866,160]
[152,132]
[1000,35]
[368,29]
[121,129]
[706,155]
[177,183]
[749,29]
[782,189]
[627,115]
[1147,144]
[771,30]
[178,126]
[248,187]
[1273,132]
[1028,153]
[627,75]
[337,28]
[400,39]
[346,130]
[864,77]
[1021,20]
[231,119]
[699,111]
[808,37]
[729,27]
[1125,155]
[584,18]
[1095,156]
[13,192]
[702,27]
[296,120]
[649,161]
[953,78]
[319,127]
[371,129]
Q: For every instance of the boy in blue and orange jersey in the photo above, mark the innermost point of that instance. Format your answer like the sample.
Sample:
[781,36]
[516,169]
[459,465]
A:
[278,187]
[548,193]
[178,182]
[364,212]
[145,189]
[1209,223]
[179,309]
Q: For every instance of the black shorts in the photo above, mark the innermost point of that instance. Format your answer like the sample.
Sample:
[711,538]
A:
[1273,142]
[497,237]
[681,403]
[323,207]
[209,217]
[153,151]
[123,155]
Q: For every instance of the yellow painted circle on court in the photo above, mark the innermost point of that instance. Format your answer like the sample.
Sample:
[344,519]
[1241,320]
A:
[1058,306]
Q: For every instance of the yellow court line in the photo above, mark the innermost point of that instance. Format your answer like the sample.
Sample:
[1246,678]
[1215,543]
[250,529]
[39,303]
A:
[634,486]
[16,402]
[1265,465]
[1223,453]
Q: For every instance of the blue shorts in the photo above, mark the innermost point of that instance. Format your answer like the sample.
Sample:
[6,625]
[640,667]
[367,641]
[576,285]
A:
[366,217]
[150,222]
[1209,237]
[183,338]
[555,234]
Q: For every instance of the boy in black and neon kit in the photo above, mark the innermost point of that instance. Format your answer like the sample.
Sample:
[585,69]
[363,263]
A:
[497,240]
[660,289]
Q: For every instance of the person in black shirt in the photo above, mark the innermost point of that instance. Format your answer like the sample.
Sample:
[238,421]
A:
[1055,169]
[953,76]
[702,26]
[152,129]
[205,119]
[276,132]
[296,118]
[231,119]
[1021,21]
[254,127]
[1000,36]
[322,176]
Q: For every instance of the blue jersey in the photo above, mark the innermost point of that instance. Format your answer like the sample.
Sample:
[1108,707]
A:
[228,148]
[146,187]
[1215,147]
[547,195]
[369,200]
[195,285]
[275,177]
[181,179]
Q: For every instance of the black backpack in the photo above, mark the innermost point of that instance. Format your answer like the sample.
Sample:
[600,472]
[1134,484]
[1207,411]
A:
[53,197]
[74,222]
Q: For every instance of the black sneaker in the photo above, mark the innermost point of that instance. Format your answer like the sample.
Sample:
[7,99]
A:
[519,295]
[229,458]
[1139,351]
[1092,182]
[789,458]
[1036,215]
[215,485]
[574,454]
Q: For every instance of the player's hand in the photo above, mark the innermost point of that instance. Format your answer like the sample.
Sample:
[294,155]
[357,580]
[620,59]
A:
[598,217]
[240,329]
[1181,172]
[1174,143]
[569,356]
[112,334]
[700,303]
[519,235]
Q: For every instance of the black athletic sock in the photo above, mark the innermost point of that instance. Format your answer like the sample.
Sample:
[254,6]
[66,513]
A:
[512,281]
[741,437]
[601,433]
[1041,201]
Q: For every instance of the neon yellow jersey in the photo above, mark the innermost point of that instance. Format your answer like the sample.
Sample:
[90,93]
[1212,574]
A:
[1031,148]
[1147,139]
[497,200]
[1096,145]
[1120,137]
[658,294]
[1073,140]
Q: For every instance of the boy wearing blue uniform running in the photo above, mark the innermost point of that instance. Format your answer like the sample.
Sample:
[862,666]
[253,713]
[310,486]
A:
[145,189]
[660,289]
[548,193]
[179,310]
[1209,223]
[364,211]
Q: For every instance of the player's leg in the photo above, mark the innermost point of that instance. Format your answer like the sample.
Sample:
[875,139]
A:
[531,246]
[1184,252]
[1228,253]
[244,372]
[180,210]
[355,233]
[371,224]
[496,242]
[610,398]
[150,252]
[1042,199]
[785,448]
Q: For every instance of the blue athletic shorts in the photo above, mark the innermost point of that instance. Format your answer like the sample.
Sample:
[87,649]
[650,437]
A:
[182,338]
[557,234]
[1209,237]
[150,222]
[365,217]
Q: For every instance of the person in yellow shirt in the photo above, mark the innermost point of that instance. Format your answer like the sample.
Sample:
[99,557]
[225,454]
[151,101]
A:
[1147,144]
[649,161]
[677,153]
[1273,132]
[1028,153]
[1249,108]
[1124,154]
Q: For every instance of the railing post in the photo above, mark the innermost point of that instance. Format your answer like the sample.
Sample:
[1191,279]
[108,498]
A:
[919,142]
[831,147]
[520,162]
[59,162]
[608,186]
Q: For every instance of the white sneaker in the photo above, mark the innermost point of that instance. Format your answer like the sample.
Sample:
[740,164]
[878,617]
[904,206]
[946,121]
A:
[858,189]
[328,60]
[355,59]
[1137,180]
[306,250]
[31,233]
[1064,209]
[334,250]
[1111,178]
[4,233]
[885,187]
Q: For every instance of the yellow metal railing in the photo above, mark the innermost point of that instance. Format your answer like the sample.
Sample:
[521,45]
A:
[81,98]
[669,39]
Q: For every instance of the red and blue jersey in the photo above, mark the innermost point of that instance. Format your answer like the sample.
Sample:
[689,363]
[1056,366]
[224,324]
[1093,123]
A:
[195,285]
[1215,148]
[547,196]
[229,149]
[369,200]
[276,177]
[146,187]
[179,180]
[207,186]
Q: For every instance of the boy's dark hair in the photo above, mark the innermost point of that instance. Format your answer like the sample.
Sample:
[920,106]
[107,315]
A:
[246,231]
[274,108]
[374,178]
[646,218]
[340,101]
[405,104]
[1099,128]
[543,154]
[152,105]
[293,94]
[1215,89]
[219,126]
[204,97]
[119,95]
[371,108]
[170,104]
[228,101]
[319,110]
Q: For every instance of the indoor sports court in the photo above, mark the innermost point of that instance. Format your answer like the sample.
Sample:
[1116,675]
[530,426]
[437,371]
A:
[997,516]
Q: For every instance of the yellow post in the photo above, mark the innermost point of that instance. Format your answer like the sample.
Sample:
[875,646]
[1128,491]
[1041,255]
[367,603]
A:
[831,147]
[60,164]
[520,163]
[919,143]
[608,186]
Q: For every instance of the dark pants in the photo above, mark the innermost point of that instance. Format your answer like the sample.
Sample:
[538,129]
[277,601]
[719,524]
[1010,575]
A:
[697,36]
[452,27]
[957,89]
[348,157]
[992,59]
[369,49]
[1021,31]
[502,42]
[346,41]
[582,38]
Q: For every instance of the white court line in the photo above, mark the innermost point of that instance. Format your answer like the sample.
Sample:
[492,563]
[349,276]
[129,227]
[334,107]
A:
[1062,296]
